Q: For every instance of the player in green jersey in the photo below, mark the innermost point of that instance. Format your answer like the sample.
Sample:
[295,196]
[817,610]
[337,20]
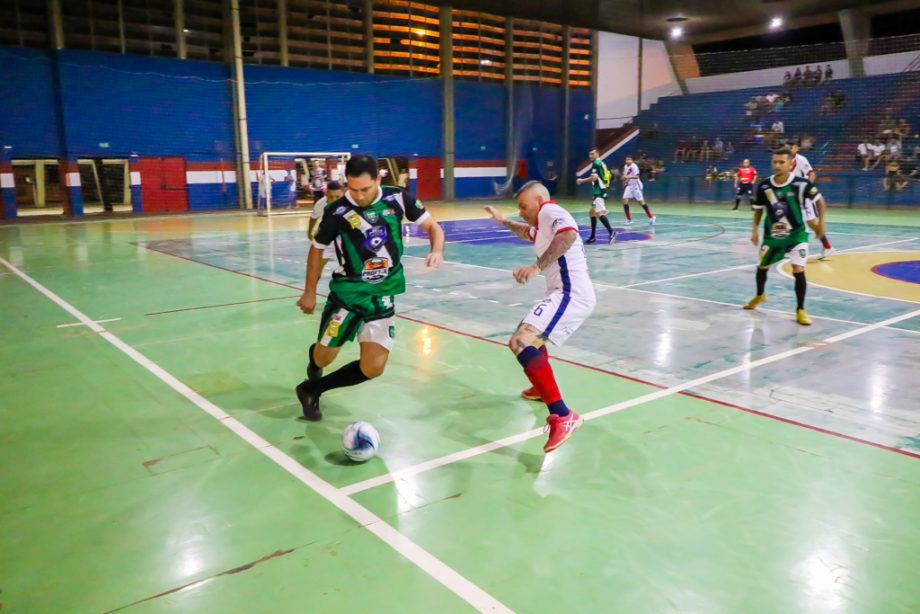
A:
[599,176]
[786,200]
[364,226]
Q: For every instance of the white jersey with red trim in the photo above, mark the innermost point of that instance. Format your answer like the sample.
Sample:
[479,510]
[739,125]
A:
[569,273]
[801,166]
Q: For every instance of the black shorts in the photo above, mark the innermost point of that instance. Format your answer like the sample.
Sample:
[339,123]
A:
[745,188]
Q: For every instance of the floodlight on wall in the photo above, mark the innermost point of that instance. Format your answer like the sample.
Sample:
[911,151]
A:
[776,23]
[677,32]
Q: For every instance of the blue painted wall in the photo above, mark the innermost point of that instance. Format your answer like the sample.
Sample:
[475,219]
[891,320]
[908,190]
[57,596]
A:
[149,106]
[296,109]
[479,114]
[146,105]
[29,123]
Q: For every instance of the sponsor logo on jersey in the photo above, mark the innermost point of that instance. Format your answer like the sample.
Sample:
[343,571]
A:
[371,216]
[375,270]
[375,237]
[340,210]
[387,212]
[813,191]
[353,219]
[802,253]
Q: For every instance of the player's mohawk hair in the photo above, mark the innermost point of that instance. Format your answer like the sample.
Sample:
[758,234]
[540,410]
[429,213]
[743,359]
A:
[527,186]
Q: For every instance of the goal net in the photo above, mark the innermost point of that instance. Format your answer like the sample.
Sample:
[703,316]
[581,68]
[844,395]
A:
[291,182]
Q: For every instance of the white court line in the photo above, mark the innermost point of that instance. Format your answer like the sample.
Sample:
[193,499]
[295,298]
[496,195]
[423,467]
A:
[400,474]
[744,266]
[424,560]
[82,324]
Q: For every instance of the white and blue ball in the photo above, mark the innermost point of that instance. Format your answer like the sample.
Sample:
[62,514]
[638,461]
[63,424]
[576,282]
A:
[360,441]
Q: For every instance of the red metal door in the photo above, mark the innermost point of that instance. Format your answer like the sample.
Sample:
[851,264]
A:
[428,186]
[163,184]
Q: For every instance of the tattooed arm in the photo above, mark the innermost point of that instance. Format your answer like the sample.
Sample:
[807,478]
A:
[557,247]
[521,230]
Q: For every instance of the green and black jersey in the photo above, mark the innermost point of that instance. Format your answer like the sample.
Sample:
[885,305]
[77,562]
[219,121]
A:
[603,178]
[368,245]
[788,205]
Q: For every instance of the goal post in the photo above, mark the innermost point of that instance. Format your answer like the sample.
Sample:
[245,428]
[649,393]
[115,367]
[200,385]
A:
[287,179]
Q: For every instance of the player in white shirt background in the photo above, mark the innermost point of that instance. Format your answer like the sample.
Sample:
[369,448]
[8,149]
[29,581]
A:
[334,191]
[801,167]
[633,191]
[568,301]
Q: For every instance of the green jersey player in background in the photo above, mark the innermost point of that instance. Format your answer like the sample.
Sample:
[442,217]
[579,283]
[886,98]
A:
[786,199]
[364,226]
[599,176]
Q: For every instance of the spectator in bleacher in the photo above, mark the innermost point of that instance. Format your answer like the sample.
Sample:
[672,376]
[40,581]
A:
[865,153]
[828,73]
[705,151]
[893,176]
[729,150]
[680,152]
[718,148]
[711,173]
[878,150]
[652,131]
[771,98]
[693,148]
[797,77]
[779,127]
[894,149]
[750,107]
[783,99]
[807,76]
[787,79]
[908,171]
[902,129]
[657,169]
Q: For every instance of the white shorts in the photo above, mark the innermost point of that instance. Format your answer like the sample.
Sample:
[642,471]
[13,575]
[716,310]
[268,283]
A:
[633,192]
[599,206]
[810,210]
[329,253]
[559,315]
[378,331]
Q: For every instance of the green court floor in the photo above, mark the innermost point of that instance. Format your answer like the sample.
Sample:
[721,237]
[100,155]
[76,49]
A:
[152,459]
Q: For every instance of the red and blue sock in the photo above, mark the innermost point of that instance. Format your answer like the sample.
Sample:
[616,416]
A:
[540,373]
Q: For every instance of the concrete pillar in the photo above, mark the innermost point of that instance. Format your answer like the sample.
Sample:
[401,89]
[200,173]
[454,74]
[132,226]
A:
[56,23]
[179,18]
[564,183]
[856,30]
[447,83]
[244,187]
[283,33]
[369,35]
[511,152]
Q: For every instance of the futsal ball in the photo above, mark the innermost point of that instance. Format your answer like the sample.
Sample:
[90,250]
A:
[360,441]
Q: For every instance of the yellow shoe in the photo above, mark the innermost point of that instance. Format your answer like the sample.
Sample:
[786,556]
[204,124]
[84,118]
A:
[802,318]
[757,300]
